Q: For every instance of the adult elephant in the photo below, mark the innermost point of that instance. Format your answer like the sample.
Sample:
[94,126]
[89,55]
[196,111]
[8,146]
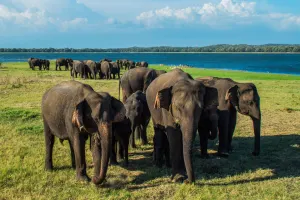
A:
[105,68]
[78,67]
[62,62]
[115,70]
[73,111]
[141,64]
[46,64]
[175,102]
[29,62]
[235,97]
[137,79]
[129,64]
[92,68]
[36,62]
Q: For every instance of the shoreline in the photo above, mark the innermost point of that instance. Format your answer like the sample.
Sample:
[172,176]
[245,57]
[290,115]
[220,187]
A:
[154,52]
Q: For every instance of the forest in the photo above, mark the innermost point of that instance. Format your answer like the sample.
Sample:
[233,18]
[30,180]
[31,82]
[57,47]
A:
[267,48]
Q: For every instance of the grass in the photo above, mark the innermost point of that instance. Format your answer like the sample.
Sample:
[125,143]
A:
[272,175]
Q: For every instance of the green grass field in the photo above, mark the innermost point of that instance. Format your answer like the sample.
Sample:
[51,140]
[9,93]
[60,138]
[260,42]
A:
[275,174]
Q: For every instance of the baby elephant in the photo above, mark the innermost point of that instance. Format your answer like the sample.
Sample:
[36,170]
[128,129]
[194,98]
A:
[121,133]
[138,113]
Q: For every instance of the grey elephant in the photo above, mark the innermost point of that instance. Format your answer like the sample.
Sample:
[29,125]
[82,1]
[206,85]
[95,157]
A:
[176,102]
[235,97]
[78,67]
[141,64]
[46,64]
[138,113]
[36,62]
[93,68]
[105,69]
[137,79]
[73,111]
[63,62]
[114,70]
[29,61]
[129,64]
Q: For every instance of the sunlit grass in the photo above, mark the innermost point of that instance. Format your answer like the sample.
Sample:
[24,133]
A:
[272,175]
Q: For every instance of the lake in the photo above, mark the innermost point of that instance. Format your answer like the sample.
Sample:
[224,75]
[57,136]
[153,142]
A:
[270,63]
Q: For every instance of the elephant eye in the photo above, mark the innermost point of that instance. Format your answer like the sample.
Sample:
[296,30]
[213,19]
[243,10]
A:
[250,103]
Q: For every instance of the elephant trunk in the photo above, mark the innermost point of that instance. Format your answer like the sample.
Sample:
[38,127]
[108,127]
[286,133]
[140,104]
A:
[188,136]
[105,130]
[256,127]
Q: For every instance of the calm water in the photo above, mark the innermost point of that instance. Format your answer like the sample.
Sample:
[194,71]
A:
[271,63]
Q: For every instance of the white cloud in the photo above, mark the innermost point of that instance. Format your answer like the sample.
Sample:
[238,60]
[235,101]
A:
[75,23]
[211,14]
[223,14]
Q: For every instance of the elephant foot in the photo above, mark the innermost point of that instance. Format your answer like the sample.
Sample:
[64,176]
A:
[178,178]
[255,153]
[168,165]
[84,178]
[48,168]
[113,163]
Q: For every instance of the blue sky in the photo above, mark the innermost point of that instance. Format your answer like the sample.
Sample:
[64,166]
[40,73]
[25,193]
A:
[126,23]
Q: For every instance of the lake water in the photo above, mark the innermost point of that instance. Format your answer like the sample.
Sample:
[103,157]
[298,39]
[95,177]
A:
[270,63]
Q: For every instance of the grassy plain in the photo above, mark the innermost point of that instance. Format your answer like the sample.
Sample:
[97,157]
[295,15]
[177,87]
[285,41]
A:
[275,174]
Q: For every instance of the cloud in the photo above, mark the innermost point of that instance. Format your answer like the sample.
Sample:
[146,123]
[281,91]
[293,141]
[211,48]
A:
[75,23]
[222,15]
[211,14]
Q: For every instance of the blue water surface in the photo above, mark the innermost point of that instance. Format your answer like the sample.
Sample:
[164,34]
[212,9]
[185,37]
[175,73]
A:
[270,63]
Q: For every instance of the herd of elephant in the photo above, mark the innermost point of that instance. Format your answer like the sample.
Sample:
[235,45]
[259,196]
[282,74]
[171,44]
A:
[179,106]
[88,68]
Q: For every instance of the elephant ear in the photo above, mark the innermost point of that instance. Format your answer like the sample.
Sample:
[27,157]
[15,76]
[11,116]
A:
[118,110]
[211,98]
[150,76]
[232,95]
[163,99]
[77,117]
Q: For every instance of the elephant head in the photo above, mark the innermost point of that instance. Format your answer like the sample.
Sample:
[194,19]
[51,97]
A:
[245,99]
[184,101]
[95,115]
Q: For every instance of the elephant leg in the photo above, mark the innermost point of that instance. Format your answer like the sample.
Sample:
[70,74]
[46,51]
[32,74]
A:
[167,151]
[144,134]
[132,139]
[72,155]
[231,128]
[203,135]
[79,150]
[96,155]
[113,157]
[137,132]
[124,149]
[158,144]
[49,141]
[176,151]
[120,151]
[223,133]
[76,74]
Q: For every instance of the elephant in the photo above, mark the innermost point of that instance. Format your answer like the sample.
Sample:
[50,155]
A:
[29,61]
[36,62]
[120,63]
[115,69]
[141,64]
[235,97]
[105,69]
[63,62]
[121,134]
[73,111]
[137,79]
[138,113]
[106,59]
[78,67]
[129,64]
[92,68]
[176,102]
[46,64]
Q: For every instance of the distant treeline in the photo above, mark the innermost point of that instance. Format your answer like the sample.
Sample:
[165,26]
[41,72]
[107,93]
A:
[212,48]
